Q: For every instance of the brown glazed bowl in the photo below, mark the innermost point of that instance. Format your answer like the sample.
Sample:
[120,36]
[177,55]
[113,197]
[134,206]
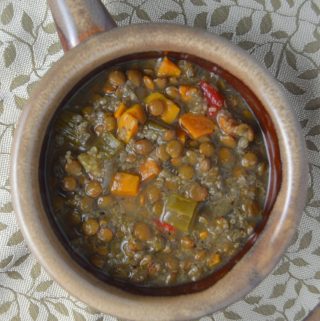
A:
[82,21]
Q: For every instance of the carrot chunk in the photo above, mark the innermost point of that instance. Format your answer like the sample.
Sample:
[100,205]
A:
[149,170]
[171,112]
[125,184]
[167,68]
[196,125]
[137,112]
[127,127]
[120,110]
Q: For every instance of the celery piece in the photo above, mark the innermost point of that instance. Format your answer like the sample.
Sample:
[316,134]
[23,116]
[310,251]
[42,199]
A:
[96,159]
[73,128]
[157,126]
[154,129]
[179,212]
[110,146]
[92,163]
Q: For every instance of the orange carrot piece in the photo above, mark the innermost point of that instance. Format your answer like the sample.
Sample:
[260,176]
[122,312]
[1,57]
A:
[167,68]
[127,127]
[171,112]
[120,110]
[149,170]
[196,125]
[137,112]
[125,184]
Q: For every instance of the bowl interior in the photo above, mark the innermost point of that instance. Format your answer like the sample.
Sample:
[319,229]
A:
[275,175]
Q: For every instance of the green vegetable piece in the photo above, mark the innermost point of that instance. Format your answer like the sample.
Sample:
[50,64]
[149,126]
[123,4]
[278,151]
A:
[154,128]
[179,212]
[91,163]
[73,129]
[110,146]
[94,162]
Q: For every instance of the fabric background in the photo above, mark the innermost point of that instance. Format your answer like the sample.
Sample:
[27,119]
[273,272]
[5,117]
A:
[282,35]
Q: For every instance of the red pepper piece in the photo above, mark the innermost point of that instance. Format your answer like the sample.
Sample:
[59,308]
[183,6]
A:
[163,226]
[213,97]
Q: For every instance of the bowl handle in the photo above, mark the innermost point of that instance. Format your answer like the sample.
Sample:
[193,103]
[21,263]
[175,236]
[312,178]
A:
[77,20]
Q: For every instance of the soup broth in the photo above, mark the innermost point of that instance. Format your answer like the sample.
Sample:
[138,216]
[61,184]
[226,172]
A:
[158,173]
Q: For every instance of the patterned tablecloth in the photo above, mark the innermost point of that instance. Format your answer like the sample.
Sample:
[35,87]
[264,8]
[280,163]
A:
[284,35]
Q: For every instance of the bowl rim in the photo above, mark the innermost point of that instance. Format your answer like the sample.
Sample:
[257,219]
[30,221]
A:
[27,145]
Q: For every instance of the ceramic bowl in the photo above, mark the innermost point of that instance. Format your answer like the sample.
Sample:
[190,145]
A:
[286,154]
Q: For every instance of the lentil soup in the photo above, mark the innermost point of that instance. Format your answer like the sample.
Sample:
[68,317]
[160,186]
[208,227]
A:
[158,173]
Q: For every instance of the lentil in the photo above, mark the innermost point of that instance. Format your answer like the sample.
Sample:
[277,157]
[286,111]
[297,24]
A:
[162,153]
[93,189]
[156,107]
[69,183]
[169,134]
[206,149]
[142,232]
[135,76]
[249,159]
[73,167]
[198,192]
[104,202]
[143,147]
[226,157]
[148,82]
[105,234]
[117,78]
[186,172]
[90,227]
[174,148]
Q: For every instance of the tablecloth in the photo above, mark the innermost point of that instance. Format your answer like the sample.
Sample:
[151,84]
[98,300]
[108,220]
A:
[282,35]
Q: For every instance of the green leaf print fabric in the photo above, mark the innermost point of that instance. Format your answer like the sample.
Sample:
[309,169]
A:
[283,35]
